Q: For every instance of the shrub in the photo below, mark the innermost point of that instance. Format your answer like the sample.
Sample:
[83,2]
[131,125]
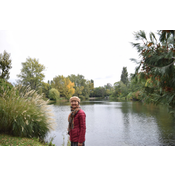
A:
[24,113]
[54,94]
[6,85]
[129,96]
[82,97]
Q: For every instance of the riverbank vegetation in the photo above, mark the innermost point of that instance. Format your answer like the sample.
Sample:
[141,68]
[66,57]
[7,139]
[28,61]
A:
[154,78]
[23,114]
[23,106]
[156,67]
[153,81]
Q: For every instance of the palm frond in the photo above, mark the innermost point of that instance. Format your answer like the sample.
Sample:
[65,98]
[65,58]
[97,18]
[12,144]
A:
[165,35]
[140,35]
[134,60]
[152,36]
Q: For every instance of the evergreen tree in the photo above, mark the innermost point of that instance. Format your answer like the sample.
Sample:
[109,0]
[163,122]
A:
[124,76]
[5,65]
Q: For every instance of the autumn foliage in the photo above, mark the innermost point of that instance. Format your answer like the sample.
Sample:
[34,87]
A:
[64,86]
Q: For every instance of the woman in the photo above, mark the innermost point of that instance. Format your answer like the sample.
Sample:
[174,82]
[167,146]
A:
[77,123]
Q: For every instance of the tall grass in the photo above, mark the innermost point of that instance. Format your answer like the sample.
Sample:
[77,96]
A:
[23,112]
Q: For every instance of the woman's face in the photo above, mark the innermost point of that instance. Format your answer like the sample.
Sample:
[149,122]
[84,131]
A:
[74,103]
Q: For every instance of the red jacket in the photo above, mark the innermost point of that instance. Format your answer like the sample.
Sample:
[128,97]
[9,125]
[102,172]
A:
[78,133]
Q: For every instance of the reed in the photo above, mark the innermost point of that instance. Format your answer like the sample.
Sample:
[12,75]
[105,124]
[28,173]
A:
[23,112]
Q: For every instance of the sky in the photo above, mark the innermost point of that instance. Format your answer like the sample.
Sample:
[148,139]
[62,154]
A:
[95,54]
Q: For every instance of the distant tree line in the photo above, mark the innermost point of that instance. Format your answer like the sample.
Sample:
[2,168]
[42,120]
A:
[60,86]
[152,82]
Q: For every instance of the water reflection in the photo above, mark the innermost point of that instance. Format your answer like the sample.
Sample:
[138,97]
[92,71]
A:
[163,121]
[118,124]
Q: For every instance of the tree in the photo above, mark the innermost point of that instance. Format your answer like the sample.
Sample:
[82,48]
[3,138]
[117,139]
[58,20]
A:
[91,86]
[54,94]
[69,90]
[83,87]
[5,65]
[4,85]
[166,34]
[157,66]
[108,87]
[86,90]
[45,89]
[32,73]
[120,89]
[124,76]
[99,92]
[64,86]
[78,91]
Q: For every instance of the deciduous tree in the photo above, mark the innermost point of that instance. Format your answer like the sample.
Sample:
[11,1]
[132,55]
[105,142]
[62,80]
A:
[54,94]
[83,87]
[32,73]
[45,89]
[64,86]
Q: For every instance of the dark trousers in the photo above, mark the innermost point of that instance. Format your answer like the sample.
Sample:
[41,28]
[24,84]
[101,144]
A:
[76,143]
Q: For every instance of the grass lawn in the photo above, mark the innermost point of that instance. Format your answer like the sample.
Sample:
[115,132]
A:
[7,140]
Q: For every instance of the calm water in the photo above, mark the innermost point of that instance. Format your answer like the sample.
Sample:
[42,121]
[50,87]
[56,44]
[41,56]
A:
[118,124]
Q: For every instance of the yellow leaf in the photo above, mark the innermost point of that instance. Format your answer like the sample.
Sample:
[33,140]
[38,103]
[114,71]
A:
[150,44]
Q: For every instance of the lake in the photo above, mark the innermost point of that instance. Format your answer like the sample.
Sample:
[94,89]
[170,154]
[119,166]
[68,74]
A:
[117,124]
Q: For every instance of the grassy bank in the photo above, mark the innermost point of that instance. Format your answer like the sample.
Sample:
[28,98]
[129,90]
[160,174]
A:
[8,140]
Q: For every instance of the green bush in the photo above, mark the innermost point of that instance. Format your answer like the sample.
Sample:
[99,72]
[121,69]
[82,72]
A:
[24,113]
[130,96]
[82,97]
[6,85]
[54,94]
